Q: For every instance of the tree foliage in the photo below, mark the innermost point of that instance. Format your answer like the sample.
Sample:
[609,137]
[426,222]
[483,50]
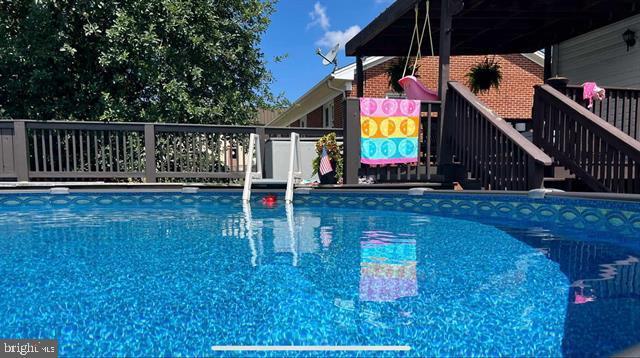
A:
[195,61]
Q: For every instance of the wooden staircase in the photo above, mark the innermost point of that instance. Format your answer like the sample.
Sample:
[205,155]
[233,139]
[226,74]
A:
[489,148]
[601,156]
[573,149]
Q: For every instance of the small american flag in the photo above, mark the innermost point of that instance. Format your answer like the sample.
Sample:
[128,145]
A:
[325,163]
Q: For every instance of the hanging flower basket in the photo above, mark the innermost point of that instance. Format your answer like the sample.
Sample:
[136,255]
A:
[484,75]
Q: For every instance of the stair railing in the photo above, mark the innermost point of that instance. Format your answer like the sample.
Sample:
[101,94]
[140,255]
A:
[601,155]
[490,149]
[620,107]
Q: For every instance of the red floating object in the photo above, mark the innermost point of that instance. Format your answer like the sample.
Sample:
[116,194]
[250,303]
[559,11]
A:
[269,200]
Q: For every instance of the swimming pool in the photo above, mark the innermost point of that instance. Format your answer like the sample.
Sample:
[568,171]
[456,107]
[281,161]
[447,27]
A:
[143,274]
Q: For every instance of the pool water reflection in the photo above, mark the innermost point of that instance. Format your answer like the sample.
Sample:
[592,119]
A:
[387,266]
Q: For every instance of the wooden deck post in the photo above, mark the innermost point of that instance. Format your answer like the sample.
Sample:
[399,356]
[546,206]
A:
[445,154]
[359,77]
[20,153]
[150,153]
[555,59]
[547,62]
[536,117]
[351,139]
[443,70]
[262,138]
[535,174]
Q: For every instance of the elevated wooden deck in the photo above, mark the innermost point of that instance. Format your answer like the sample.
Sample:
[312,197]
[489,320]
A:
[572,148]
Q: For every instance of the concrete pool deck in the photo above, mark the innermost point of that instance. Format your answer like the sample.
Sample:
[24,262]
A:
[400,188]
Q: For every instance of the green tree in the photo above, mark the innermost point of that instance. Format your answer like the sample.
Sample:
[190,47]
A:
[195,61]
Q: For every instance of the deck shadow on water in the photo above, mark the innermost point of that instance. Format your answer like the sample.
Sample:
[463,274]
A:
[603,306]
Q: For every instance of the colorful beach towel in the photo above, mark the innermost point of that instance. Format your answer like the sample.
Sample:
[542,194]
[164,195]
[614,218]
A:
[389,131]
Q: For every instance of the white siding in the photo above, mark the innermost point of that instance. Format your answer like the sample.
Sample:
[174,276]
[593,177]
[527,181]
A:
[602,56]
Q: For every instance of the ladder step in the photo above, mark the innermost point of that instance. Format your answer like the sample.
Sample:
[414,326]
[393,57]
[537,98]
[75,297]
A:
[270,181]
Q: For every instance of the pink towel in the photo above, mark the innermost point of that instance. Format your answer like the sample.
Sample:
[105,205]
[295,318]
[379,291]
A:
[591,91]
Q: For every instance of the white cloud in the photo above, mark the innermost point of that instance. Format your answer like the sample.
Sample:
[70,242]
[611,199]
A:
[331,38]
[319,17]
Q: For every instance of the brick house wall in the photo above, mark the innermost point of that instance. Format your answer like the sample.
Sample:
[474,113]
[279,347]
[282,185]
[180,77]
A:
[512,100]
[314,118]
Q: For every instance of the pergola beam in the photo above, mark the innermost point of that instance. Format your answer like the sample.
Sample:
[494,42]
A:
[507,26]
[359,77]
[384,20]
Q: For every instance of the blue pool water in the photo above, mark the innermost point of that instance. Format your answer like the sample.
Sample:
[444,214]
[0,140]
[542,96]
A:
[165,274]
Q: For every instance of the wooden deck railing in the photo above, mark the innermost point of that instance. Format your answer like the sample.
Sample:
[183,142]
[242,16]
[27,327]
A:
[621,107]
[491,150]
[601,155]
[53,151]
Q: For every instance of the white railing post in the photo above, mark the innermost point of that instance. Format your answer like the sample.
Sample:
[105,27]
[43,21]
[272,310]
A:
[248,176]
[294,159]
[293,243]
[248,221]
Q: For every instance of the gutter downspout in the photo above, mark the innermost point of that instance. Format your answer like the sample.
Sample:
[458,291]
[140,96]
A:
[335,88]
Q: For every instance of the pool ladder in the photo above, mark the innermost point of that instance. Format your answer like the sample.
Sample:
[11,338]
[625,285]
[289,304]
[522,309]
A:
[251,176]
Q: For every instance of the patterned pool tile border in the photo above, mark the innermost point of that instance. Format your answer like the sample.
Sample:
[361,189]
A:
[588,214]
[601,215]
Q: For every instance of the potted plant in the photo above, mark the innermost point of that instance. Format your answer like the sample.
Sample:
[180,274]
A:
[395,72]
[334,152]
[484,75]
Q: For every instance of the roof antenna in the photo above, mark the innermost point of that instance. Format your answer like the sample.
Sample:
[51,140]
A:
[330,57]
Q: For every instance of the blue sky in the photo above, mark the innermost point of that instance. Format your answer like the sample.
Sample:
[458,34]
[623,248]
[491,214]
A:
[298,27]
